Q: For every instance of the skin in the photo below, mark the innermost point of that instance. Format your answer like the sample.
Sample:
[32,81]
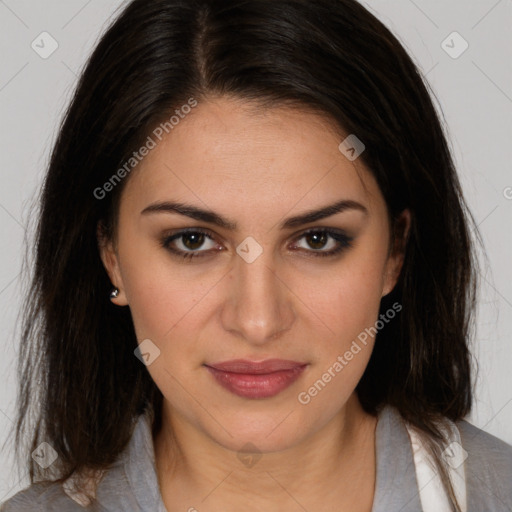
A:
[256,167]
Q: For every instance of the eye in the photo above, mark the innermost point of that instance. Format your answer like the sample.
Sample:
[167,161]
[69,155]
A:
[197,243]
[186,243]
[325,242]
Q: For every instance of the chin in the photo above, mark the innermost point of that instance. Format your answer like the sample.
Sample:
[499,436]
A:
[264,431]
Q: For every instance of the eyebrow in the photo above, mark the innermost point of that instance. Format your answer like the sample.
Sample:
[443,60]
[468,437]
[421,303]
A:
[211,217]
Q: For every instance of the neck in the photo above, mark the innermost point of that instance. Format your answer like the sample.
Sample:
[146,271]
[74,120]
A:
[334,464]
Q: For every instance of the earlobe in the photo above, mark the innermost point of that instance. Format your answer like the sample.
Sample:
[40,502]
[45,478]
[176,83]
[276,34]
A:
[110,262]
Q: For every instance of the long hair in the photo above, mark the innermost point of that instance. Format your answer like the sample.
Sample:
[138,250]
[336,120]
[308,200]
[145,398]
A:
[80,385]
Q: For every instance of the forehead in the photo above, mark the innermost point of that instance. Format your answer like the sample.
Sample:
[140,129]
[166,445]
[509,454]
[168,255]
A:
[226,149]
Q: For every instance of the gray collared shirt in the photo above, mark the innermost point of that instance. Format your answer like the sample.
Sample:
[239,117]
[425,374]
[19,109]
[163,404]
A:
[132,485]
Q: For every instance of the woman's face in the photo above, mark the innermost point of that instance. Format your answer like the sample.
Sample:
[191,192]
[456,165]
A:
[258,286]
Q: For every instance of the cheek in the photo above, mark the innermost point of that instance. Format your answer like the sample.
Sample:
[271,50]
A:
[348,298]
[161,305]
[158,298]
[349,306]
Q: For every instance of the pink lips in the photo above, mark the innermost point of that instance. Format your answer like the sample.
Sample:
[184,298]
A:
[250,379]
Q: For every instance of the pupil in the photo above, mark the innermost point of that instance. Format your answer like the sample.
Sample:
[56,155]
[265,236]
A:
[197,240]
[319,240]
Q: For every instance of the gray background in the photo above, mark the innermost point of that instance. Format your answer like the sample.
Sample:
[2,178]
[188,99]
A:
[474,91]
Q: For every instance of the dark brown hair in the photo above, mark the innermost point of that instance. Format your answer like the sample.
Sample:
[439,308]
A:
[81,386]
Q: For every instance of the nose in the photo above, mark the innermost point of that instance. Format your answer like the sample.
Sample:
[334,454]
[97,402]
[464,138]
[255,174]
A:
[259,306]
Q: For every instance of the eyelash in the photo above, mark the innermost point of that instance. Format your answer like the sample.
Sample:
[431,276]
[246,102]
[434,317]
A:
[344,242]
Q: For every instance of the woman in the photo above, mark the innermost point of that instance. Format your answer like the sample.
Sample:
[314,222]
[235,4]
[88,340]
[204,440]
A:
[254,283]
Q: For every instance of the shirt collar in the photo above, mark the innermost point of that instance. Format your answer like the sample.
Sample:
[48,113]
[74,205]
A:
[140,467]
[396,487]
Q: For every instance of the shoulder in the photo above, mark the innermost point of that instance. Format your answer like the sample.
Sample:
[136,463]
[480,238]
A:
[488,465]
[112,487]
[485,447]
[486,459]
[42,496]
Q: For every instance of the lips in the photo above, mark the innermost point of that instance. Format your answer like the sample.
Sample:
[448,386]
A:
[256,368]
[256,379]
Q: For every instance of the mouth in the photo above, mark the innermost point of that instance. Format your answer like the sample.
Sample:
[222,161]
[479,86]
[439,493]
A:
[256,380]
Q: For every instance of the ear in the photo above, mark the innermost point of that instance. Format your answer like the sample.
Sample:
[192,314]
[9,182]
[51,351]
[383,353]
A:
[110,259]
[397,252]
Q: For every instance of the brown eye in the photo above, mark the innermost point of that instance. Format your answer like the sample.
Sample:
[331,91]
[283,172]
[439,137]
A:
[193,241]
[189,243]
[317,240]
